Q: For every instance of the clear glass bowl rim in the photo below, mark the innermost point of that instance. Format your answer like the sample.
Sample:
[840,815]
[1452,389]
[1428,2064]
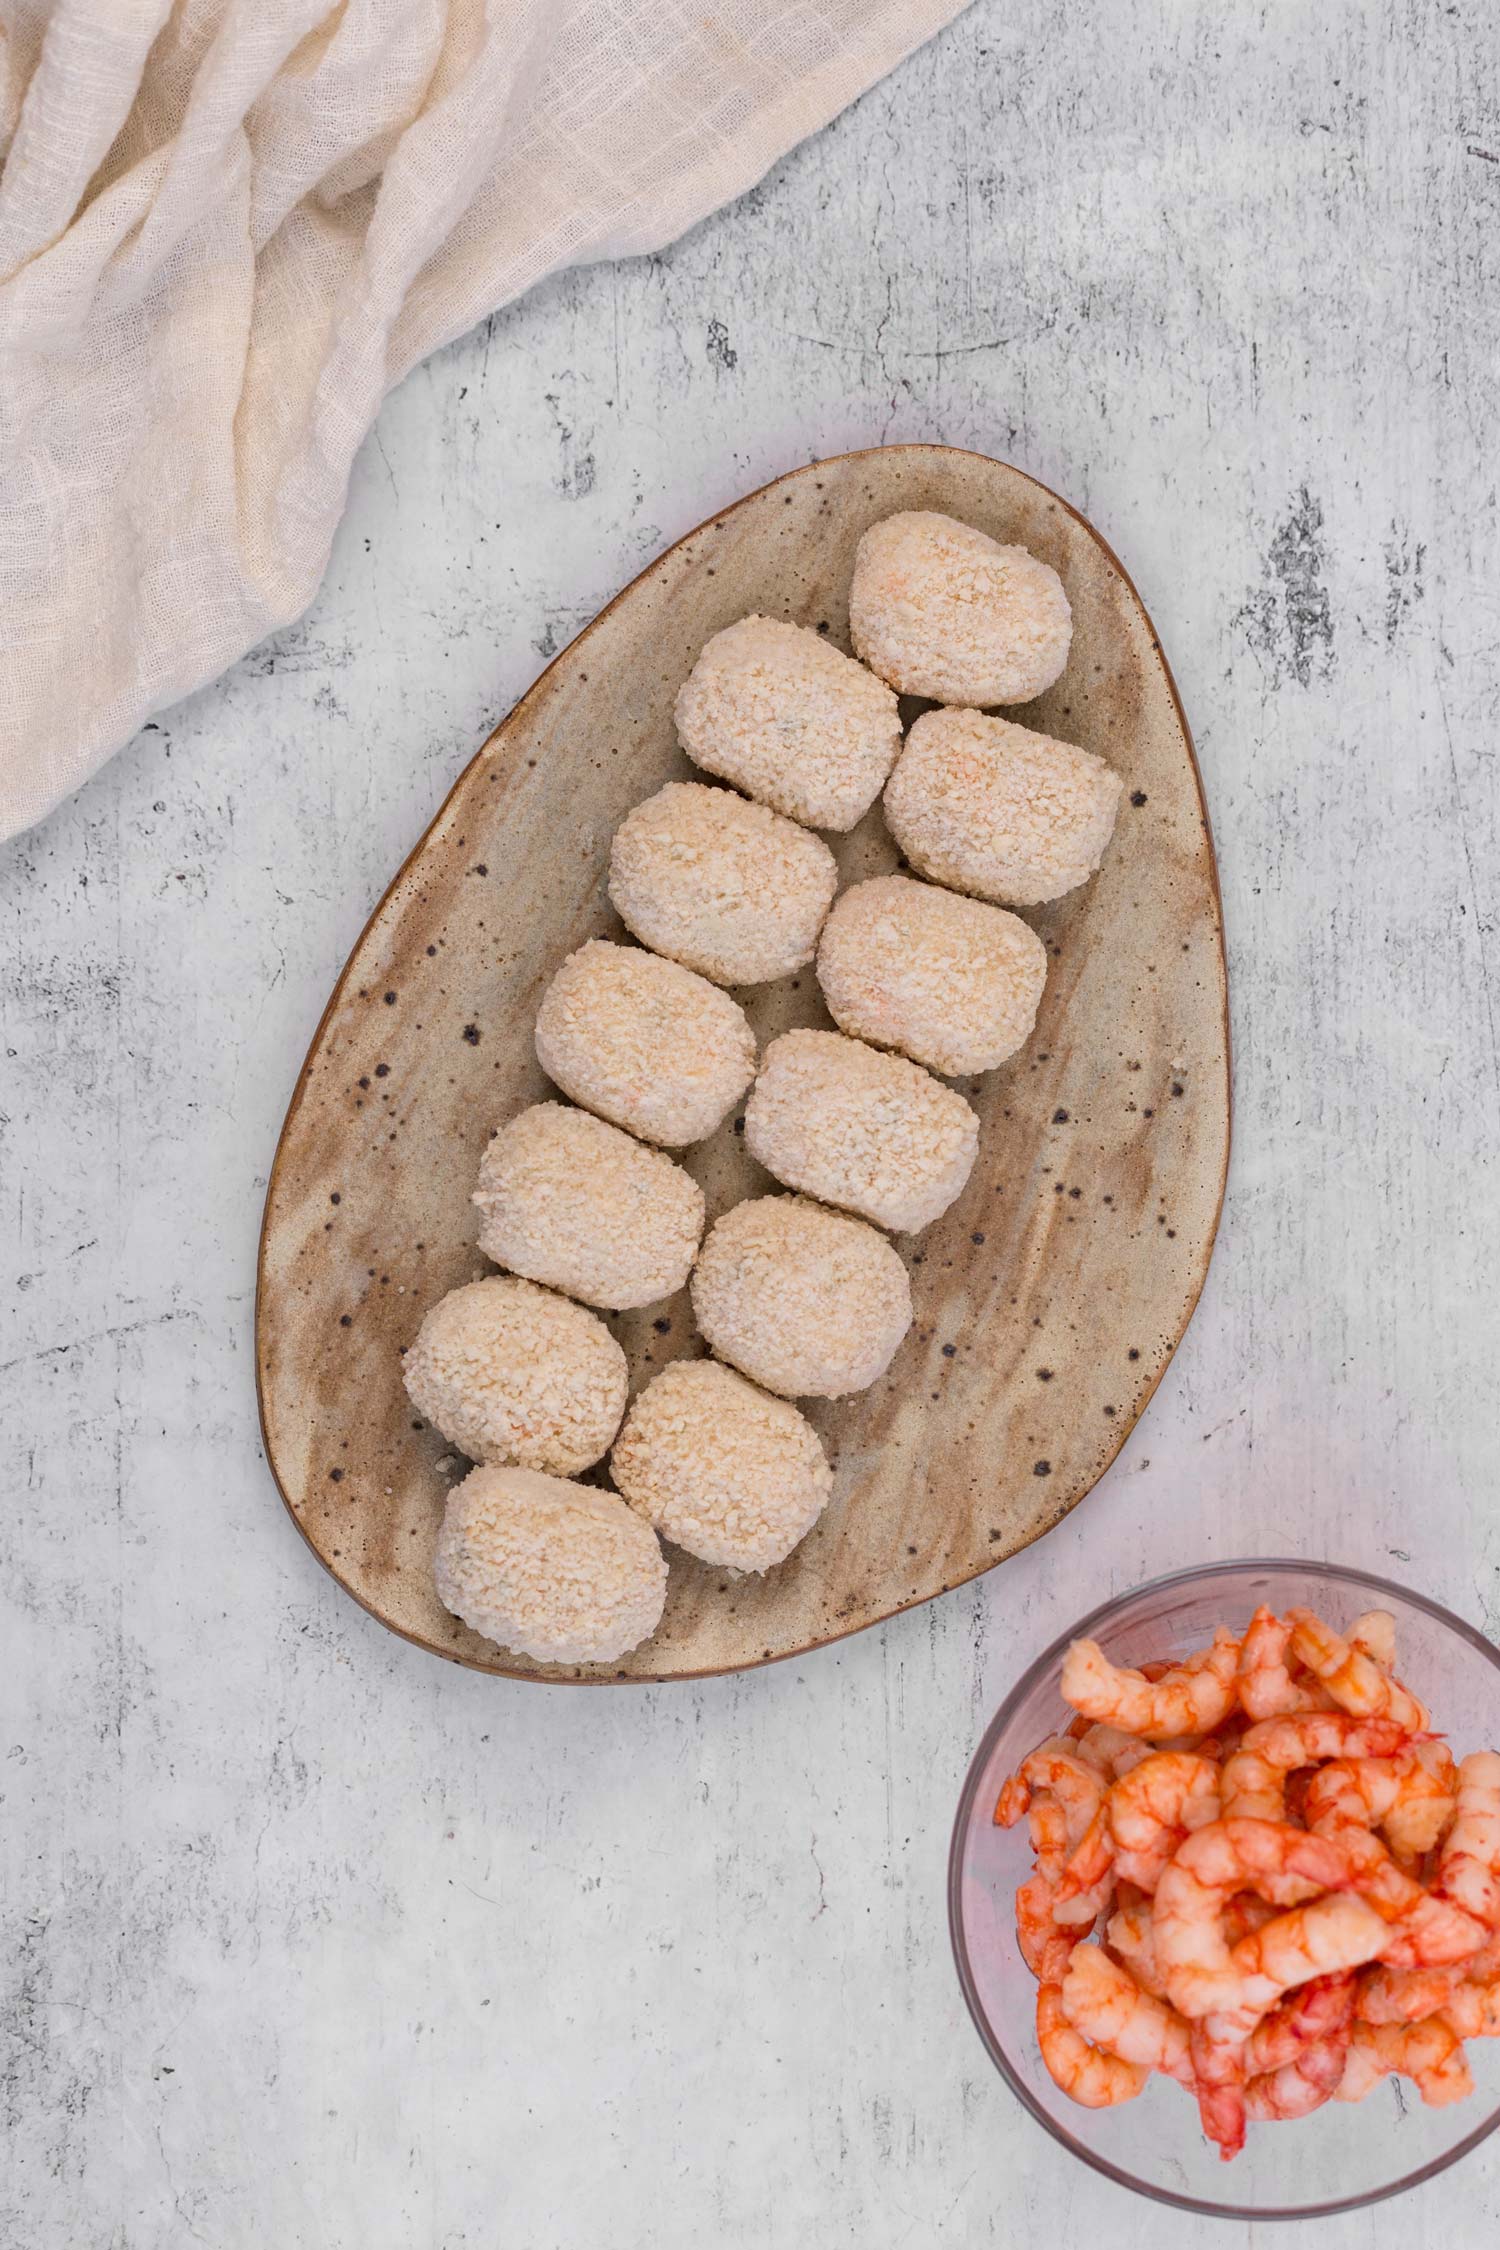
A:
[1197,1577]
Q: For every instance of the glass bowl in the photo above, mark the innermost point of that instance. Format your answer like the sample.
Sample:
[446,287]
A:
[1346,2154]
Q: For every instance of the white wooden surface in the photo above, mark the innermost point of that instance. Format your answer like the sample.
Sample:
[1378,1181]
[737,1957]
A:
[311,1941]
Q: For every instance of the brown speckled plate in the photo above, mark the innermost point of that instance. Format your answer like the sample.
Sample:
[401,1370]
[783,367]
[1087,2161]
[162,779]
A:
[1048,1299]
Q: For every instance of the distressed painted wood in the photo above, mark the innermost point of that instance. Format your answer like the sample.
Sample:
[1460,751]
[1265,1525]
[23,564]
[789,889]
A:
[1048,1298]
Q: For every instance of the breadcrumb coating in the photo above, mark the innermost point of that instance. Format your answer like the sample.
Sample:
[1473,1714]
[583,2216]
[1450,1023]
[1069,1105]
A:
[793,722]
[570,1201]
[558,1571]
[644,1043]
[728,888]
[949,981]
[991,808]
[509,1372]
[870,1132]
[806,1302]
[940,609]
[720,1468]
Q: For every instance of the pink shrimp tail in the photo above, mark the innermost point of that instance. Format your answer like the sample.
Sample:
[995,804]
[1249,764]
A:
[1219,2081]
[1012,1802]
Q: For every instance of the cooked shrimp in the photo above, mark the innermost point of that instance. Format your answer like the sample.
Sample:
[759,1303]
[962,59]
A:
[1055,1769]
[1351,1793]
[1374,1632]
[1265,1684]
[1047,1826]
[1139,1824]
[1244,1913]
[1296,2054]
[1296,1795]
[1403,1995]
[1338,1932]
[1063,1792]
[1045,1948]
[1297,2088]
[1111,1749]
[1254,1781]
[1473,2010]
[1217,1741]
[1428,1800]
[1104,2002]
[1406,1995]
[1154,1806]
[1312,2014]
[1086,2073]
[1217,2056]
[1192,1699]
[1086,1883]
[1354,1680]
[1252,1789]
[1425,1931]
[1409,1797]
[1130,1935]
[1430,2053]
[1202,1972]
[1219,1745]
[1469,1862]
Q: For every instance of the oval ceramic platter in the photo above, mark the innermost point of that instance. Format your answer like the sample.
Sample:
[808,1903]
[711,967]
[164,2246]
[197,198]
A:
[1048,1299]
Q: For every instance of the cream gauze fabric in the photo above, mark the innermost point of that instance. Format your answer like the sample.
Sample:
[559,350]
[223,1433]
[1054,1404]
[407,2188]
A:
[228,227]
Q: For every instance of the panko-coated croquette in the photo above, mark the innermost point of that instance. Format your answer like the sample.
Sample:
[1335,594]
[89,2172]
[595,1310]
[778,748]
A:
[644,1043]
[870,1132]
[728,888]
[993,809]
[720,1468]
[948,980]
[794,723]
[940,609]
[509,1372]
[570,1201]
[806,1302]
[560,1572]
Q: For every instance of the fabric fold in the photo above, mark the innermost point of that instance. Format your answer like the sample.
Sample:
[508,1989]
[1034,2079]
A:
[228,228]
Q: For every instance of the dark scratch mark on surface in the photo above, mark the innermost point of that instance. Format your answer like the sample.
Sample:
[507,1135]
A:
[577,474]
[1403,580]
[1289,619]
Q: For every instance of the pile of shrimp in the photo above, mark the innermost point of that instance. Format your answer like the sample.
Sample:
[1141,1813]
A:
[1295,1889]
